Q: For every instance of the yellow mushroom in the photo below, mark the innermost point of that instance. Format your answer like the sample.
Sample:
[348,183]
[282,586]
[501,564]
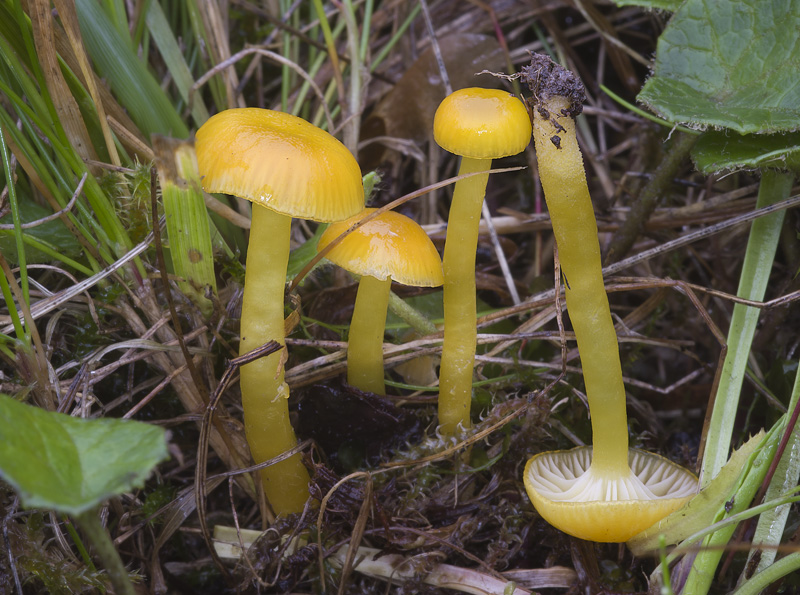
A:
[606,492]
[287,168]
[480,125]
[390,247]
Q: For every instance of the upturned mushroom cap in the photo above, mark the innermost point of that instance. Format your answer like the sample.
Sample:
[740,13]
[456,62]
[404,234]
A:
[569,496]
[281,162]
[482,124]
[389,246]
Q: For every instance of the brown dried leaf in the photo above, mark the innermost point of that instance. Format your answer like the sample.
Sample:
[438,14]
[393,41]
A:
[66,107]
[407,110]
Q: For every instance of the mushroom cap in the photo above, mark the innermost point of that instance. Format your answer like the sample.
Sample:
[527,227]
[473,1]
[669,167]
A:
[281,162]
[482,124]
[390,246]
[572,498]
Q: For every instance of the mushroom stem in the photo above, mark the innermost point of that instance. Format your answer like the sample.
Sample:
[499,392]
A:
[460,330]
[264,392]
[570,206]
[365,344]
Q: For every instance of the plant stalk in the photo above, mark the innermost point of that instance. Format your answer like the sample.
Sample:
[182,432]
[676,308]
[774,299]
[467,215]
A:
[759,255]
[98,536]
[413,317]
[649,198]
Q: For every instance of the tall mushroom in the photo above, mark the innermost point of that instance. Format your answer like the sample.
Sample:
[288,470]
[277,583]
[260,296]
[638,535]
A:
[287,168]
[390,247]
[606,492]
[480,125]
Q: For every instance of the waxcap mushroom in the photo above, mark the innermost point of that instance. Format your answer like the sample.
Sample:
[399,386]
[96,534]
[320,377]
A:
[281,162]
[606,492]
[482,124]
[287,168]
[389,246]
[579,501]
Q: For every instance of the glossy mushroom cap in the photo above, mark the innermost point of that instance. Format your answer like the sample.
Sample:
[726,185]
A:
[482,124]
[281,162]
[571,497]
[390,246]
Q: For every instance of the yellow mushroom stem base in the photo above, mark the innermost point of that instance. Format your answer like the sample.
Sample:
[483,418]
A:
[572,496]
[460,327]
[264,392]
[365,346]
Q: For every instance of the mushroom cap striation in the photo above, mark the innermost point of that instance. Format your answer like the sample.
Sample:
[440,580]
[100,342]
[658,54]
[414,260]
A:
[482,124]
[389,246]
[574,498]
[281,162]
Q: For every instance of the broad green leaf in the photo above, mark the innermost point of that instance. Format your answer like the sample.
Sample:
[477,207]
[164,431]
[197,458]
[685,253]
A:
[731,64]
[70,465]
[717,151]
[54,233]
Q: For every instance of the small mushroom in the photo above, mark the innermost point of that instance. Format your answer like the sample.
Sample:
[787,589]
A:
[480,125]
[287,168]
[390,247]
[607,492]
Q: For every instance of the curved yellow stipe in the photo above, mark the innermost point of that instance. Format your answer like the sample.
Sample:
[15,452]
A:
[264,392]
[365,344]
[570,206]
[460,329]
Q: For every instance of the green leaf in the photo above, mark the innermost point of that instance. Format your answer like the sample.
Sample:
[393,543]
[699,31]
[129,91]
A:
[54,233]
[702,510]
[70,465]
[127,74]
[731,64]
[164,38]
[302,255]
[716,151]
[762,243]
[772,523]
[670,5]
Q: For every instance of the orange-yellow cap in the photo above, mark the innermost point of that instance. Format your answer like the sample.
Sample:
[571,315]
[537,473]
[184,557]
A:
[570,497]
[482,124]
[281,162]
[389,246]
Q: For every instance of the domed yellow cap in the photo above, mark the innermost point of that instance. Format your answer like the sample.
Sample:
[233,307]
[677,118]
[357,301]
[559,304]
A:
[281,162]
[389,246]
[569,496]
[482,124]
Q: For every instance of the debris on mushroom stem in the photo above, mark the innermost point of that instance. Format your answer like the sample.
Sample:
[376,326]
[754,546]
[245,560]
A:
[547,79]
